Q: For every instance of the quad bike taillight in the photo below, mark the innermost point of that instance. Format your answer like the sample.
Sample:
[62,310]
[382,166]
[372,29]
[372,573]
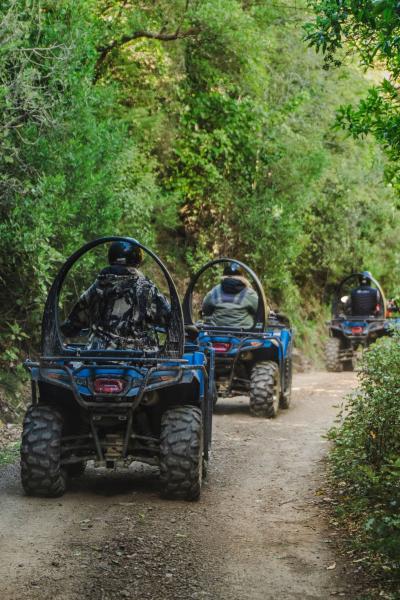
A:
[357,330]
[104,385]
[221,346]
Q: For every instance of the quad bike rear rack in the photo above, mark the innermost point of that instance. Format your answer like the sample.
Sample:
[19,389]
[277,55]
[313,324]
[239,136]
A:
[94,362]
[243,347]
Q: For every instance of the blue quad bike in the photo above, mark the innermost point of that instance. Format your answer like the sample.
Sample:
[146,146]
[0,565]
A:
[349,334]
[115,407]
[256,361]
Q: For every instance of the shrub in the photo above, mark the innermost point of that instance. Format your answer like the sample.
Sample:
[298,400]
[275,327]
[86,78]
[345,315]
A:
[365,459]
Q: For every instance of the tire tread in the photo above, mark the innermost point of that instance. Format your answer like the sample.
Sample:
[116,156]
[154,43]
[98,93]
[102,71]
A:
[41,471]
[263,384]
[332,355]
[181,453]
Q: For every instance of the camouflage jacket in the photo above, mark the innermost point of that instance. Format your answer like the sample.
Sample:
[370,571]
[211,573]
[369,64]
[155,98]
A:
[121,309]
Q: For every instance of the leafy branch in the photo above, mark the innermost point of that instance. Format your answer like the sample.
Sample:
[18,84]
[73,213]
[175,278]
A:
[104,51]
[161,35]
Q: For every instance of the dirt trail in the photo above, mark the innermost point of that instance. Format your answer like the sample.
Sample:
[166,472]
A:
[258,532]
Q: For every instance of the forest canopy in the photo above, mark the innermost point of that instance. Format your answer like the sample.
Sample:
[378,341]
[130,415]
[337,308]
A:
[200,127]
[368,31]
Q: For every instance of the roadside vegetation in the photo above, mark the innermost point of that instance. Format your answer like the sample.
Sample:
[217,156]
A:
[9,454]
[365,466]
[365,460]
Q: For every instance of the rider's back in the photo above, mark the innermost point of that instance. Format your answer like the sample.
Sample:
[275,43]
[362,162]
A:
[231,303]
[364,300]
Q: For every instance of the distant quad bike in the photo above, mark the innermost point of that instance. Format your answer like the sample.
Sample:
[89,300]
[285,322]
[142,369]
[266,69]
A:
[91,405]
[257,361]
[348,333]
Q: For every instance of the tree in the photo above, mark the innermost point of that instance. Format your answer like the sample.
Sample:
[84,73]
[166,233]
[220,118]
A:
[370,31]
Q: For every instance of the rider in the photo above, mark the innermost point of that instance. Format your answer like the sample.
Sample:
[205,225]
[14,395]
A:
[365,300]
[231,303]
[122,307]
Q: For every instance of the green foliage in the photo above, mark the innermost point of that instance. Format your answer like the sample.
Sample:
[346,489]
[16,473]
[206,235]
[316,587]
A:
[256,172]
[55,156]
[370,30]
[63,172]
[202,128]
[9,454]
[365,459]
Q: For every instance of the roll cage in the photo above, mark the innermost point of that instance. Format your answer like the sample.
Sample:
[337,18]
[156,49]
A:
[339,292]
[260,316]
[52,343]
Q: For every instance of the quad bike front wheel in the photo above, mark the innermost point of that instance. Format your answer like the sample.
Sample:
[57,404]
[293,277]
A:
[181,453]
[332,355]
[285,399]
[265,390]
[41,470]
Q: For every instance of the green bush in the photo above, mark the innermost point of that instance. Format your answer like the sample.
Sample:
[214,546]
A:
[365,459]
[61,144]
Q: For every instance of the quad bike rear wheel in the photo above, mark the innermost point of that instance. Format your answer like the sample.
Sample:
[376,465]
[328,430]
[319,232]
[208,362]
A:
[332,355]
[286,394]
[215,394]
[265,390]
[41,470]
[181,453]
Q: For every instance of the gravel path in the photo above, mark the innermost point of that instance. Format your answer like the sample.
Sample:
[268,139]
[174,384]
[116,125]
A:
[258,532]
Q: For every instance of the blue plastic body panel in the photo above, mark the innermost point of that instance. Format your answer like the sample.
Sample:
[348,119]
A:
[347,326]
[370,328]
[83,375]
[273,344]
[278,341]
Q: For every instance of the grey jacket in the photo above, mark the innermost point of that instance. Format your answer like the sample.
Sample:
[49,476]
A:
[231,303]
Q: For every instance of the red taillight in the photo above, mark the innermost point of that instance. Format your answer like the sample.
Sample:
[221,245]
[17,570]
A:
[221,346]
[108,386]
[357,330]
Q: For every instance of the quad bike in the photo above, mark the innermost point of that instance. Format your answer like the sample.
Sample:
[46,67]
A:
[349,334]
[257,361]
[115,407]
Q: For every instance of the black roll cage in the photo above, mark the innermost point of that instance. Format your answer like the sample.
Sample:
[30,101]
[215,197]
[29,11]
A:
[52,343]
[338,294]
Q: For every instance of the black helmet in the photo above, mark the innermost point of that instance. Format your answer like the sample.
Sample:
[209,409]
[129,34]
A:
[233,269]
[365,278]
[125,253]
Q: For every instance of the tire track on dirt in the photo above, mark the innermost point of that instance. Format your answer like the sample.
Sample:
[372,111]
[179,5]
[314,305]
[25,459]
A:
[257,533]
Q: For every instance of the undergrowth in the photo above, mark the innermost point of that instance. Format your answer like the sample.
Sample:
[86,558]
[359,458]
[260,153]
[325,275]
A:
[14,394]
[365,466]
[9,454]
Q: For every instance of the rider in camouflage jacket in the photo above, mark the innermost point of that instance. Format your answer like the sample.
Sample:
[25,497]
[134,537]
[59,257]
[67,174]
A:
[122,307]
